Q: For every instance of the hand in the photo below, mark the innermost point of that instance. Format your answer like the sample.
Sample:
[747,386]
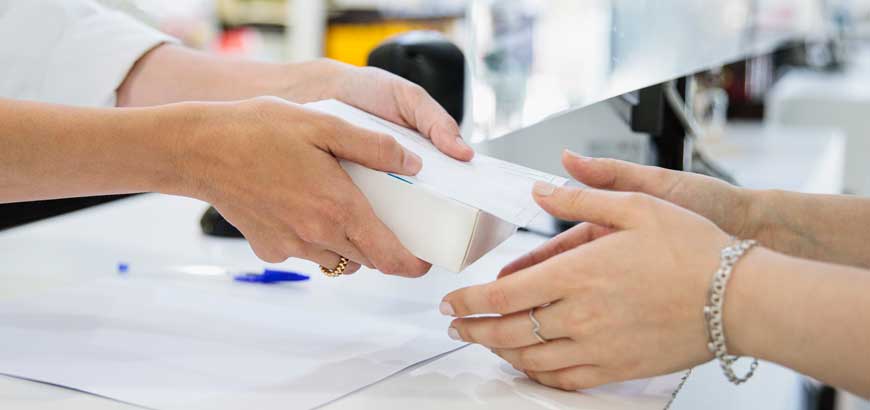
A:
[164,76]
[271,168]
[624,293]
[729,207]
[383,94]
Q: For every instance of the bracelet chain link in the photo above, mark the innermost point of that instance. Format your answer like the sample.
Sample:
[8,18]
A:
[717,345]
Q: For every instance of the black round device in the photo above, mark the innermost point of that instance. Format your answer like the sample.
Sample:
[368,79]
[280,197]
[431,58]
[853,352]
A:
[430,60]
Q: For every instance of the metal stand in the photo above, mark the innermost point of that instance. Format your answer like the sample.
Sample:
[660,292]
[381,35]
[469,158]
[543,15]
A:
[652,115]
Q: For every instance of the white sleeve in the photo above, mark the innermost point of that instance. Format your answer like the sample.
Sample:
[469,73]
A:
[69,51]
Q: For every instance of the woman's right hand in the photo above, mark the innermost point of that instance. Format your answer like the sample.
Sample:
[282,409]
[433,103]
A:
[732,208]
[271,168]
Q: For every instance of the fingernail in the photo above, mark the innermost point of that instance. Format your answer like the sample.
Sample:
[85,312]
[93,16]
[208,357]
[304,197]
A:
[544,189]
[576,155]
[412,162]
[446,309]
[454,334]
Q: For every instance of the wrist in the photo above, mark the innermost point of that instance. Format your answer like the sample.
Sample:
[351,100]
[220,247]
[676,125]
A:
[747,328]
[749,212]
[177,131]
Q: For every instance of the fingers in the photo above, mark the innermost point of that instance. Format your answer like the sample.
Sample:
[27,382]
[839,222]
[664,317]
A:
[606,208]
[398,100]
[345,222]
[333,239]
[511,331]
[419,110]
[327,259]
[276,247]
[371,149]
[572,378]
[616,175]
[547,357]
[521,291]
[569,239]
[378,243]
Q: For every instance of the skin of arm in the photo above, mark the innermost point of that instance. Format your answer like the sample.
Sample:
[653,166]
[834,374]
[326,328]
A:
[170,73]
[621,297]
[52,151]
[831,228]
[813,317]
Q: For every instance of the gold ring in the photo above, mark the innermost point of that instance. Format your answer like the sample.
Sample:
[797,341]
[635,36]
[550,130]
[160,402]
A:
[338,270]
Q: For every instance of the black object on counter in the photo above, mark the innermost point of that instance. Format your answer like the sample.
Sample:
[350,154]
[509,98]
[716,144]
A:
[429,60]
[214,224]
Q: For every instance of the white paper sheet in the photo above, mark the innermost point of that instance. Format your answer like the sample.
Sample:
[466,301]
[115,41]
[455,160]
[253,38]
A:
[498,187]
[211,344]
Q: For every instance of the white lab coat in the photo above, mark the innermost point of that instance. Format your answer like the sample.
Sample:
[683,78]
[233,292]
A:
[73,52]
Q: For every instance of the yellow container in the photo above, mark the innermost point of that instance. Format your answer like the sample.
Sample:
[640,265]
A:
[352,42]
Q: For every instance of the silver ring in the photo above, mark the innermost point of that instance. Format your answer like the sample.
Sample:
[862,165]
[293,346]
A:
[536,329]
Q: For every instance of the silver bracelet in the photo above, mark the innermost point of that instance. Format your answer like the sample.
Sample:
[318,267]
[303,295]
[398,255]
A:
[713,310]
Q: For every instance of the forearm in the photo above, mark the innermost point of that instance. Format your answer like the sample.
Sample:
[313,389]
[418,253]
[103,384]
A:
[829,228]
[171,73]
[52,151]
[813,317]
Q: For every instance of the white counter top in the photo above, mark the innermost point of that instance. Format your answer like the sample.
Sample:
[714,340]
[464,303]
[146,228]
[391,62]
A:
[166,228]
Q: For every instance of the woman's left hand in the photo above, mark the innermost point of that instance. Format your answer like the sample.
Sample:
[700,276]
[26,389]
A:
[619,297]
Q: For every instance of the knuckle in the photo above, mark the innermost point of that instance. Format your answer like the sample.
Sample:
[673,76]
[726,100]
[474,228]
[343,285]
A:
[576,197]
[567,280]
[270,255]
[639,200]
[613,170]
[389,151]
[575,321]
[411,91]
[389,267]
[336,212]
[495,298]
[527,359]
[417,92]
[501,336]
[311,232]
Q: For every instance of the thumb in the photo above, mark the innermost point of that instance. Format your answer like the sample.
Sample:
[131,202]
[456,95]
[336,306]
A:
[607,208]
[373,150]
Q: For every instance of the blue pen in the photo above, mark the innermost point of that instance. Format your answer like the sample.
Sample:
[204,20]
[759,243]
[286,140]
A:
[268,276]
[272,276]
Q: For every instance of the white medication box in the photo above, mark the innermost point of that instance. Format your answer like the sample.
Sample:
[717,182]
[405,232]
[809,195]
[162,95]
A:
[451,213]
[435,228]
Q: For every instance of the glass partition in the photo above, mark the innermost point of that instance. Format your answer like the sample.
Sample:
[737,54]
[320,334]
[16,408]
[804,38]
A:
[531,59]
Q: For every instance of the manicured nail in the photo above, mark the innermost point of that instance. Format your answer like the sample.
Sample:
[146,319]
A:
[446,309]
[544,189]
[412,162]
[461,142]
[454,334]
